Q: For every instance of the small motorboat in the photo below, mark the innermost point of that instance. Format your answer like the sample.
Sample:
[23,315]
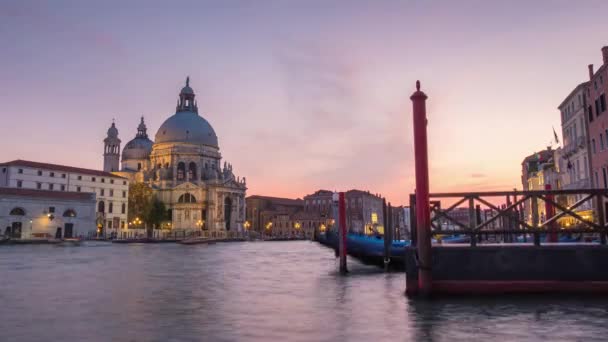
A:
[196,241]
[69,242]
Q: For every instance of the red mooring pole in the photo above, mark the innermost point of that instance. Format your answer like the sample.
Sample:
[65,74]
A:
[342,235]
[423,212]
[549,212]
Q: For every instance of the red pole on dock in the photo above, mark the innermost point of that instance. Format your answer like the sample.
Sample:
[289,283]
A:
[423,212]
[549,212]
[342,235]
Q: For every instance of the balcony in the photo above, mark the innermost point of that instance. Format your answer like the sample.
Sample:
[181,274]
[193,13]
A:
[584,183]
[577,144]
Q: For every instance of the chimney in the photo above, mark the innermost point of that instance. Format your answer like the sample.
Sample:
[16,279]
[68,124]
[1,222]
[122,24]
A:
[605,54]
[590,71]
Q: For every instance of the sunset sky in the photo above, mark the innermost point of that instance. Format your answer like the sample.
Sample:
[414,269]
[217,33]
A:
[303,95]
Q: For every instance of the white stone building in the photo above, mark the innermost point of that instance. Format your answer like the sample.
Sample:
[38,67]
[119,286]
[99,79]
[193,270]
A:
[111,191]
[184,170]
[576,159]
[44,214]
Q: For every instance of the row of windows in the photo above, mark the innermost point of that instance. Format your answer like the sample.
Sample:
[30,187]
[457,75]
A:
[600,107]
[61,187]
[603,143]
[102,192]
[63,175]
[17,211]
[110,225]
[51,186]
[101,207]
[604,176]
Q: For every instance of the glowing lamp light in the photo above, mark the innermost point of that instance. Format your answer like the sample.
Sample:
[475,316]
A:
[297,225]
[268,225]
[247,225]
[322,227]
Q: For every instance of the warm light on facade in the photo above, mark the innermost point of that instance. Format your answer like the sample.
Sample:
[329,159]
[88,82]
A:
[268,225]
[297,225]
[247,225]
[322,227]
[374,218]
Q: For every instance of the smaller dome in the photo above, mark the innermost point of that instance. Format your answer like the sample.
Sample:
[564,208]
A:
[113,131]
[138,148]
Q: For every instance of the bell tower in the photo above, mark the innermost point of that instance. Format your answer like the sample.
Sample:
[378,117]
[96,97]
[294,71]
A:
[111,152]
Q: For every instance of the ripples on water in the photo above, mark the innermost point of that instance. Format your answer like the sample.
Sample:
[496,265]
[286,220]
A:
[253,291]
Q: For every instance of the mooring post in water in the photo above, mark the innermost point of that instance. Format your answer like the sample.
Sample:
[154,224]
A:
[387,242]
[342,235]
[423,213]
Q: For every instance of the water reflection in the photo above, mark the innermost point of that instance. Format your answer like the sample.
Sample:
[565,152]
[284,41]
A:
[276,291]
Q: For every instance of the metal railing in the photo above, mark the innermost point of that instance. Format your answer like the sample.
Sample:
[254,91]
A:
[505,216]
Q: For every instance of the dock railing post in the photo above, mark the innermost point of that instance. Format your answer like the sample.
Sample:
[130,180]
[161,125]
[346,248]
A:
[601,218]
[472,222]
[534,210]
[551,232]
[423,210]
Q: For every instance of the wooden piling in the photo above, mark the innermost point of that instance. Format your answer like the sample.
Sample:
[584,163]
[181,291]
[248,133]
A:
[342,235]
[385,236]
[423,212]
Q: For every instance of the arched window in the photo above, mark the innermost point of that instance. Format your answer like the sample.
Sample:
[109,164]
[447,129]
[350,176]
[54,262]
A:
[69,213]
[192,171]
[166,165]
[227,212]
[101,207]
[18,212]
[186,198]
[181,171]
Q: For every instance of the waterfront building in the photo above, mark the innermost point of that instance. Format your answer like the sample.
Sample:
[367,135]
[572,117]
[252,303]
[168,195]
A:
[400,222]
[110,190]
[183,168]
[538,170]
[364,212]
[598,121]
[263,212]
[36,214]
[576,159]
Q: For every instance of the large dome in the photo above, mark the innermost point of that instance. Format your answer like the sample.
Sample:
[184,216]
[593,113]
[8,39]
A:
[186,126]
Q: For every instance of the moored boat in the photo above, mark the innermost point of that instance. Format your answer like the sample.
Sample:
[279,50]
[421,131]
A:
[69,242]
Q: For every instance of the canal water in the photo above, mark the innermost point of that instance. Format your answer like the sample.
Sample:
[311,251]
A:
[254,291]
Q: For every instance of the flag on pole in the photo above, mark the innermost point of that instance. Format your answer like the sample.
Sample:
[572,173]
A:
[555,135]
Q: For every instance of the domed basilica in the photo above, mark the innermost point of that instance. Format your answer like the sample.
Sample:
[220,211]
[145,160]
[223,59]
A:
[183,167]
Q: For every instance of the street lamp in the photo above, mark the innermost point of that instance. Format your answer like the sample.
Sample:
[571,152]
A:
[246,225]
[199,224]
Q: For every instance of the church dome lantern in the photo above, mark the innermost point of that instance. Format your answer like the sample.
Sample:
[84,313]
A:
[186,125]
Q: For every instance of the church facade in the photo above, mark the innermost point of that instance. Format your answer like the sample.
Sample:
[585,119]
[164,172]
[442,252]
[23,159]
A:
[183,167]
